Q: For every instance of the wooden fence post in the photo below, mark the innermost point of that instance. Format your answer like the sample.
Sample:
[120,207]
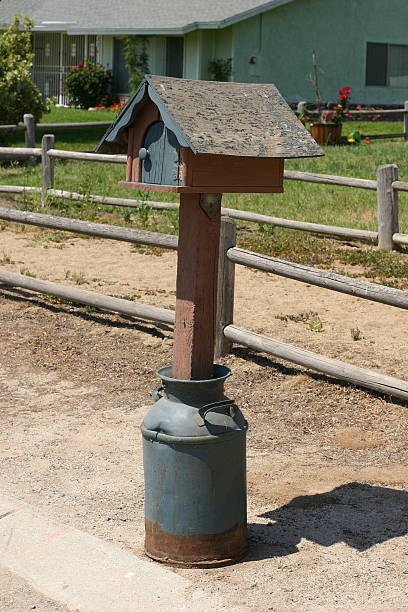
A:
[226,283]
[406,120]
[387,203]
[29,125]
[47,165]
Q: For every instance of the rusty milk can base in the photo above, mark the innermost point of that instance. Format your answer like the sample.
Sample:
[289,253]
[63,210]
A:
[206,550]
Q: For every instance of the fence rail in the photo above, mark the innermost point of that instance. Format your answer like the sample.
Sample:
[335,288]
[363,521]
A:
[387,186]
[225,331]
[29,119]
[97,300]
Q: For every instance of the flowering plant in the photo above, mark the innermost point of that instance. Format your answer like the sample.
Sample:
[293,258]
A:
[88,84]
[116,107]
[340,110]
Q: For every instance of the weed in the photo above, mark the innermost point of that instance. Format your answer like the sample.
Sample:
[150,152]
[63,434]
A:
[6,259]
[266,228]
[27,272]
[127,217]
[79,278]
[55,300]
[356,333]
[101,281]
[302,317]
[315,325]
[131,298]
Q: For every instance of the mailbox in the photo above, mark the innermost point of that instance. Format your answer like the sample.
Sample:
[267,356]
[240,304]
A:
[200,139]
[207,137]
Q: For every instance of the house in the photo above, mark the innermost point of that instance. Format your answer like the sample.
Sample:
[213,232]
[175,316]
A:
[360,43]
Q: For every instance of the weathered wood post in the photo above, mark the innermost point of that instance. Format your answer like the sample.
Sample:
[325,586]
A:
[226,287]
[29,136]
[47,165]
[406,120]
[197,274]
[200,139]
[387,205]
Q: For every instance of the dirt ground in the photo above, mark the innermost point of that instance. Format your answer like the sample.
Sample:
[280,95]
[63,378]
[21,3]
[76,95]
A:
[327,462]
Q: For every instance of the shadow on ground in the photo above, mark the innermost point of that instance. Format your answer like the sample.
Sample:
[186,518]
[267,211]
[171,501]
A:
[360,515]
[269,361]
[79,310]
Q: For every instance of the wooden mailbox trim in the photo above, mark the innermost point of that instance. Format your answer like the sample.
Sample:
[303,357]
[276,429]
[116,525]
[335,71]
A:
[148,114]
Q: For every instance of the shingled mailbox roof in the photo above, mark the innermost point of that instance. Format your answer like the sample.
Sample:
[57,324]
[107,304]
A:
[217,118]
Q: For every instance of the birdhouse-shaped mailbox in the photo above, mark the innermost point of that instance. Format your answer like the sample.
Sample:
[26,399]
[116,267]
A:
[207,137]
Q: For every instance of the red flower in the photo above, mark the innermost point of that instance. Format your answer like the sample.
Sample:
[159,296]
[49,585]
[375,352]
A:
[80,65]
[75,69]
[67,67]
[359,107]
[106,96]
[367,139]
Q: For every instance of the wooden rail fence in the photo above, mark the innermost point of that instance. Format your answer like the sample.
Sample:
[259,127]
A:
[302,110]
[225,331]
[386,186]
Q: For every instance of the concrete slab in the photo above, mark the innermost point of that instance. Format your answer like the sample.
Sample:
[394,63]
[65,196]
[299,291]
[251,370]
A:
[88,574]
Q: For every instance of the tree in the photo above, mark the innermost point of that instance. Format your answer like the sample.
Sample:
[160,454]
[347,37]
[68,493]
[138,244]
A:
[18,94]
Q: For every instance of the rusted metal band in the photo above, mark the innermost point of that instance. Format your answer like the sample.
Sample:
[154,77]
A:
[198,550]
[157,436]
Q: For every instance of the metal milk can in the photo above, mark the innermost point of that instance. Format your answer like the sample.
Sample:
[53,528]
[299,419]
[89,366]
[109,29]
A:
[195,473]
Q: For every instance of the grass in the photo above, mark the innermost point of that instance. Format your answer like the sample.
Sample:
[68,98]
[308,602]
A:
[326,204]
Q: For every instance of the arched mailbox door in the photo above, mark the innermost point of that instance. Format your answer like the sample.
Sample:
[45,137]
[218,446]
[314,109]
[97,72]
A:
[160,156]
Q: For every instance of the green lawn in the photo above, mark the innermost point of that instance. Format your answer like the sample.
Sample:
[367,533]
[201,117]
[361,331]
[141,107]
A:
[325,204]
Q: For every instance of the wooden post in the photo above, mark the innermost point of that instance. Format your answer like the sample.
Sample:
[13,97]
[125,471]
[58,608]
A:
[197,268]
[387,203]
[47,165]
[406,120]
[29,136]
[226,284]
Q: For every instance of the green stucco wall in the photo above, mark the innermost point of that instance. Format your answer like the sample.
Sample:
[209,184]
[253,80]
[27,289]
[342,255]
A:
[282,41]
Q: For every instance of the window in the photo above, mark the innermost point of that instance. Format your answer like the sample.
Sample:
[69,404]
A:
[387,65]
[398,66]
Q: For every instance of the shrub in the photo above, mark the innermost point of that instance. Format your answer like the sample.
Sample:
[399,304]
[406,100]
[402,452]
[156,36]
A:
[136,59]
[88,85]
[18,94]
[220,69]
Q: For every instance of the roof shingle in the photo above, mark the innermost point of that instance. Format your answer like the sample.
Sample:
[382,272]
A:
[127,16]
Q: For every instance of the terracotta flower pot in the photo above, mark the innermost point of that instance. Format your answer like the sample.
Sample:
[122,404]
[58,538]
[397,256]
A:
[326,133]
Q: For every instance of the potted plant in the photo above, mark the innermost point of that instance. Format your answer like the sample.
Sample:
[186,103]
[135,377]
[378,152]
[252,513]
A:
[328,130]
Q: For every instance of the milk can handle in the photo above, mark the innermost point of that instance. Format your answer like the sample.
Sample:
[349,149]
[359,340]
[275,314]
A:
[156,392]
[204,410]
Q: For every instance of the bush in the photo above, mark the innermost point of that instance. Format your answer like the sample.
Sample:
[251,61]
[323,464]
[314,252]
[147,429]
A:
[18,94]
[88,85]
[220,69]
